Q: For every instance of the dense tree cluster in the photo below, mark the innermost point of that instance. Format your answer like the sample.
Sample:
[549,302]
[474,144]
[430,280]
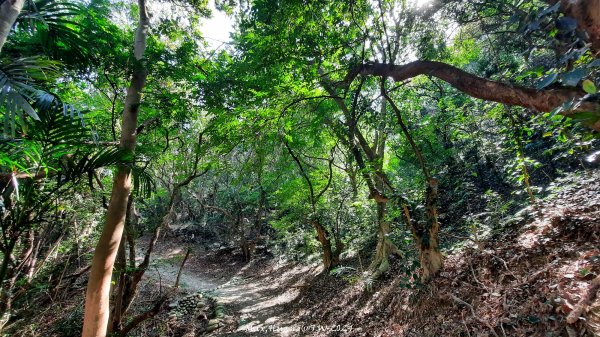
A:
[323,128]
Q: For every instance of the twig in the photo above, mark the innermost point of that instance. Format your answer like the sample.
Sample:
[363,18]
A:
[145,124]
[481,320]
[505,265]
[475,278]
[362,270]
[465,324]
[503,262]
[462,237]
[79,272]
[159,280]
[502,328]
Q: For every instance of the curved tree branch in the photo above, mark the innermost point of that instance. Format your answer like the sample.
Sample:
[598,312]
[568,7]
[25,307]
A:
[474,86]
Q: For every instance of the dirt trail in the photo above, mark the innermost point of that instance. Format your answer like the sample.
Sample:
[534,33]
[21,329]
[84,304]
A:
[259,302]
[253,303]
[166,273]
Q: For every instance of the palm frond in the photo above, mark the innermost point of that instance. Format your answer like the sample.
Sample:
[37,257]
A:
[43,143]
[143,183]
[59,124]
[17,88]
[86,161]
[55,22]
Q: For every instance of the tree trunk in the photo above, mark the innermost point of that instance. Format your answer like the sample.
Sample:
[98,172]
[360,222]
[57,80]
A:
[427,237]
[121,267]
[97,308]
[9,11]
[385,247]
[330,259]
[187,254]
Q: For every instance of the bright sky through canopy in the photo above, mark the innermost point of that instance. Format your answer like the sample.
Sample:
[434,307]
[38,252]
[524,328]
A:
[216,30]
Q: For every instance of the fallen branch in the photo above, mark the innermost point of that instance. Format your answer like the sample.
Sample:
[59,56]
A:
[79,272]
[585,302]
[143,316]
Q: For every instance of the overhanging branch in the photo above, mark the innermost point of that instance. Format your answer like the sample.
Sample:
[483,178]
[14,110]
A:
[474,86]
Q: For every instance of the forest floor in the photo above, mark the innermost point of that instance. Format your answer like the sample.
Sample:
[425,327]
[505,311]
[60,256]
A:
[522,280]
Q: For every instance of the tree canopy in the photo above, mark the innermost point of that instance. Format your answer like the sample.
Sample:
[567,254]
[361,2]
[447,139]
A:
[321,129]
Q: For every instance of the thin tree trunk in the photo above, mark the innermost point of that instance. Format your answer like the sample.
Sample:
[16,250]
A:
[97,309]
[7,258]
[385,247]
[431,259]
[427,238]
[9,11]
[187,254]
[6,286]
[521,155]
[121,267]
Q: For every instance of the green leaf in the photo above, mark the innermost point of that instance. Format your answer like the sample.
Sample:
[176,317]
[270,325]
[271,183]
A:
[583,116]
[572,78]
[589,87]
[547,80]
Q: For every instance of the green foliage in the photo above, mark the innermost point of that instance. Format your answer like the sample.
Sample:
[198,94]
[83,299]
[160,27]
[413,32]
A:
[269,132]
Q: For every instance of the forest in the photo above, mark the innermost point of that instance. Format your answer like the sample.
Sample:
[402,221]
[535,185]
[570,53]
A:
[300,168]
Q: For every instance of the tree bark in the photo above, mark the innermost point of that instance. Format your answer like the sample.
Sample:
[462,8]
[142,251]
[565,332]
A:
[9,11]
[376,154]
[430,257]
[330,259]
[121,267]
[474,86]
[385,247]
[97,308]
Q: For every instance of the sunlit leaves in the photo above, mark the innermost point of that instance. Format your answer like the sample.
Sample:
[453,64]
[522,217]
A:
[589,87]
[547,80]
